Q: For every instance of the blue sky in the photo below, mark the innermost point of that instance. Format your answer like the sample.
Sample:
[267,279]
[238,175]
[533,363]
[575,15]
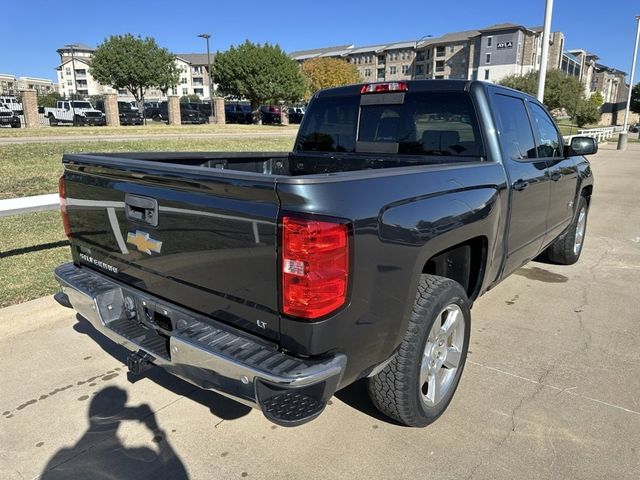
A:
[29,49]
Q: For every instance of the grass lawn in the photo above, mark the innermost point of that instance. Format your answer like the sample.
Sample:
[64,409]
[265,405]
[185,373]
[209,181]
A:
[31,246]
[33,169]
[153,128]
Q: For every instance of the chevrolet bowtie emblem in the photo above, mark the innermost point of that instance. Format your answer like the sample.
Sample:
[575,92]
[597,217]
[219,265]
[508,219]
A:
[143,243]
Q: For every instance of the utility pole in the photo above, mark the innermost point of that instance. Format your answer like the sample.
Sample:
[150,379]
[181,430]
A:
[207,36]
[546,38]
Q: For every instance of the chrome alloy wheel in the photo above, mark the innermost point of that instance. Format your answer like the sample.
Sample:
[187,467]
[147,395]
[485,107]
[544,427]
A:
[580,228]
[441,358]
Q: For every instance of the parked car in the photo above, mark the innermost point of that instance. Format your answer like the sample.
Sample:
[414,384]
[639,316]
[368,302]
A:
[270,115]
[238,113]
[202,107]
[188,115]
[76,112]
[151,109]
[279,278]
[11,103]
[8,118]
[127,115]
[296,114]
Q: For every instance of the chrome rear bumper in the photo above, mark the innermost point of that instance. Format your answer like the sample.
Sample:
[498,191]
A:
[289,390]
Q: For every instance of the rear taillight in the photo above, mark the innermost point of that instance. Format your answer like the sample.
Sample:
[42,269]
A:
[63,207]
[315,267]
[384,87]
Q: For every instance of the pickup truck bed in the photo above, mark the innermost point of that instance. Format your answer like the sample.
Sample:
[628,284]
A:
[278,278]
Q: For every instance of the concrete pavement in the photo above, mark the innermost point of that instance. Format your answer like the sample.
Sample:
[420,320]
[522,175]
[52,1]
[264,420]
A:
[551,388]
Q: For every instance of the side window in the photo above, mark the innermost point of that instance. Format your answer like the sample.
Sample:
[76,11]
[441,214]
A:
[515,129]
[549,141]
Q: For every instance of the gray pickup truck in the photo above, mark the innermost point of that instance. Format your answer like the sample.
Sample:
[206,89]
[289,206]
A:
[278,278]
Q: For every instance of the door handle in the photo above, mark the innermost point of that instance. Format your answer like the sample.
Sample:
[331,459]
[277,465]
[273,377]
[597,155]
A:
[141,209]
[555,176]
[520,185]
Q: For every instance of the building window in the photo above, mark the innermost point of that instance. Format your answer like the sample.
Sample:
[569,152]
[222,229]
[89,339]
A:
[380,59]
[367,72]
[439,77]
[185,91]
[183,80]
[488,58]
[68,71]
[199,91]
[486,74]
[489,41]
[440,66]
[419,69]
[69,82]
[381,74]
[440,51]
[405,69]
[420,57]
[393,70]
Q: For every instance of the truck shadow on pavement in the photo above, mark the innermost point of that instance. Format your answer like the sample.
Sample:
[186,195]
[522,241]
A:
[219,405]
[99,453]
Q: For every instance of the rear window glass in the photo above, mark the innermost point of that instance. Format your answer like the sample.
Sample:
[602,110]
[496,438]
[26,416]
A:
[427,123]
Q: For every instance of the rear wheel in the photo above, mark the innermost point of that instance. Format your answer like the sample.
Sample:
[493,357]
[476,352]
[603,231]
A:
[53,121]
[566,249]
[416,387]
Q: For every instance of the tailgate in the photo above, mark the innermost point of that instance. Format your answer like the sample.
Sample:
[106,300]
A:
[203,240]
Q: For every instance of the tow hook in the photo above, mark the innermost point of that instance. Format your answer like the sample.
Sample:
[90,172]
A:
[139,362]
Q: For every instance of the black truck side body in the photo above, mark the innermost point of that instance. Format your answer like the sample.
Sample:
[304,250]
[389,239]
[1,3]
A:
[475,220]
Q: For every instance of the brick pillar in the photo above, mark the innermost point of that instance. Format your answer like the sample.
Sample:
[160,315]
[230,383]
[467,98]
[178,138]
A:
[111,109]
[218,111]
[284,115]
[173,104]
[30,107]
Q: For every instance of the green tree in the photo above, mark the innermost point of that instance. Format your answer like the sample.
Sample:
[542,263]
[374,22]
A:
[328,72]
[561,92]
[635,98]
[258,73]
[48,100]
[133,63]
[587,111]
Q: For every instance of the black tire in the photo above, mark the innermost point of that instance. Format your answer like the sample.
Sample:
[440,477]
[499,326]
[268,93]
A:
[53,121]
[396,390]
[562,251]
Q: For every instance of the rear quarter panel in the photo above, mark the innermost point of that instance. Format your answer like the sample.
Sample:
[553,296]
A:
[400,219]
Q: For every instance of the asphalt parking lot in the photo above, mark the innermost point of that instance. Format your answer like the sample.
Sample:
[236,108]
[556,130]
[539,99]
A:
[551,388]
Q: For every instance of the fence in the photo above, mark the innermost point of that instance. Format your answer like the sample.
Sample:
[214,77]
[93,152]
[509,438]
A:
[599,134]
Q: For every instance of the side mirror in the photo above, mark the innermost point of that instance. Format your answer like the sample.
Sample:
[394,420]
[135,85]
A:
[583,146]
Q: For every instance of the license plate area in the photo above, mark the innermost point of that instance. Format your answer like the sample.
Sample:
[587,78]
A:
[140,320]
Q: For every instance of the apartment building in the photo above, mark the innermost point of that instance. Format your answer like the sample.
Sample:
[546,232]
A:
[74,75]
[11,85]
[8,84]
[610,82]
[490,54]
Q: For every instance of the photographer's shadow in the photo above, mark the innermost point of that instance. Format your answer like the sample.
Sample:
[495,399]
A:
[99,454]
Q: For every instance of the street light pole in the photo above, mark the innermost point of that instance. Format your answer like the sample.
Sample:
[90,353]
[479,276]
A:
[207,36]
[546,37]
[622,138]
[75,86]
[633,72]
